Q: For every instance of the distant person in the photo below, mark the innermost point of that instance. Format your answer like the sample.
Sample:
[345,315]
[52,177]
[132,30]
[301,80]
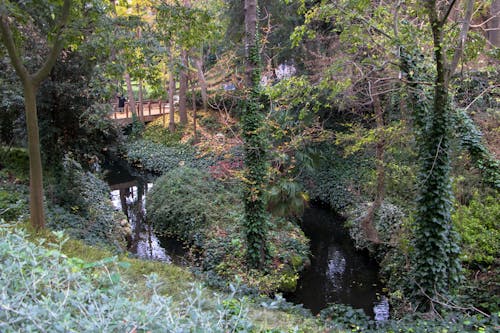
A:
[121,103]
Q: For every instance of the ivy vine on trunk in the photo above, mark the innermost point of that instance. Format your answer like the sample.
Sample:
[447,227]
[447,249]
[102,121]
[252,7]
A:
[255,153]
[436,263]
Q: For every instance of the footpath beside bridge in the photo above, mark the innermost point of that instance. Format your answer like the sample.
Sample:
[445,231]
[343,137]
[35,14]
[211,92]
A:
[150,111]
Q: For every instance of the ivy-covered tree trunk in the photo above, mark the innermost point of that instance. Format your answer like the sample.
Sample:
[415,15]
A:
[437,268]
[255,154]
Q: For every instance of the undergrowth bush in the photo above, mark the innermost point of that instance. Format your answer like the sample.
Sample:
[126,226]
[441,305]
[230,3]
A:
[162,135]
[186,201]
[16,160]
[190,204]
[82,207]
[159,158]
[42,290]
[337,181]
[478,224]
[13,199]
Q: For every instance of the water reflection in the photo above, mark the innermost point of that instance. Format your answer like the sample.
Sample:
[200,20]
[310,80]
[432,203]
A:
[338,273]
[335,268]
[128,194]
[143,242]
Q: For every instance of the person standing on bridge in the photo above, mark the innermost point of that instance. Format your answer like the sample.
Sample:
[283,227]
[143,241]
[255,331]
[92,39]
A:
[121,103]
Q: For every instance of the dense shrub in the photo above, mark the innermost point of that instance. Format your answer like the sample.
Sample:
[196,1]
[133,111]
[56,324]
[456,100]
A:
[208,213]
[478,224]
[186,201]
[44,291]
[162,135]
[82,206]
[159,158]
[16,161]
[337,181]
[388,221]
[13,200]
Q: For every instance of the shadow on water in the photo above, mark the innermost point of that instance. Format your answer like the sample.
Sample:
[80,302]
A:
[338,272]
[128,193]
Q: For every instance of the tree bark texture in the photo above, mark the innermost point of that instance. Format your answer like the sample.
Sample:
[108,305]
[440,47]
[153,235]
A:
[130,94]
[494,24]
[202,81]
[36,175]
[250,38]
[141,101]
[171,92]
[183,86]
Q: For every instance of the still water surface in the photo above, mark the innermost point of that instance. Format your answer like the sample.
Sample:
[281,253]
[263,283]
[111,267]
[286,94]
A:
[338,272]
[128,193]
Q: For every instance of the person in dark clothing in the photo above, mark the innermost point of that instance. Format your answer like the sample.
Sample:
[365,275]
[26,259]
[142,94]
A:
[121,103]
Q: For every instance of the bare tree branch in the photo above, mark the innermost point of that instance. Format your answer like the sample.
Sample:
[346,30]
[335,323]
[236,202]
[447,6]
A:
[459,50]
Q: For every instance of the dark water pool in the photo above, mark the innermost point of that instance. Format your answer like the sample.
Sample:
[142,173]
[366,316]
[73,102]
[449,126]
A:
[128,193]
[338,272]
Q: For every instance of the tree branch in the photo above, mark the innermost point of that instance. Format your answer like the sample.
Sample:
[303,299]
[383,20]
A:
[44,71]
[445,17]
[459,50]
[9,43]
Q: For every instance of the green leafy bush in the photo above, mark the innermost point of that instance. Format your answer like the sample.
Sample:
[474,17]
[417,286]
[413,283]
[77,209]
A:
[190,204]
[337,181]
[479,227]
[341,316]
[13,200]
[16,161]
[83,208]
[158,158]
[162,135]
[44,291]
[186,201]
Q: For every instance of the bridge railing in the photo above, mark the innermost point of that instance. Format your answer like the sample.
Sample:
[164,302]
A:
[148,105]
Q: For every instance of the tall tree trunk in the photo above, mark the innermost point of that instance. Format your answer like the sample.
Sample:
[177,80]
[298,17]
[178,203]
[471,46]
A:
[140,110]
[436,264]
[250,40]
[141,100]
[130,92]
[171,92]
[255,150]
[202,81]
[183,86]
[368,221]
[193,100]
[36,177]
[494,24]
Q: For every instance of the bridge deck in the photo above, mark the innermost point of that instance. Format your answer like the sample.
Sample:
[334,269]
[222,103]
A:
[151,111]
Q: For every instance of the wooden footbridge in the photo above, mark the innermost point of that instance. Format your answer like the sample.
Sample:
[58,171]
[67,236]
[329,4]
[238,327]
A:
[150,111]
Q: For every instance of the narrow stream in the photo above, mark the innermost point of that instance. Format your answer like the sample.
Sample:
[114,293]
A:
[128,193]
[338,272]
